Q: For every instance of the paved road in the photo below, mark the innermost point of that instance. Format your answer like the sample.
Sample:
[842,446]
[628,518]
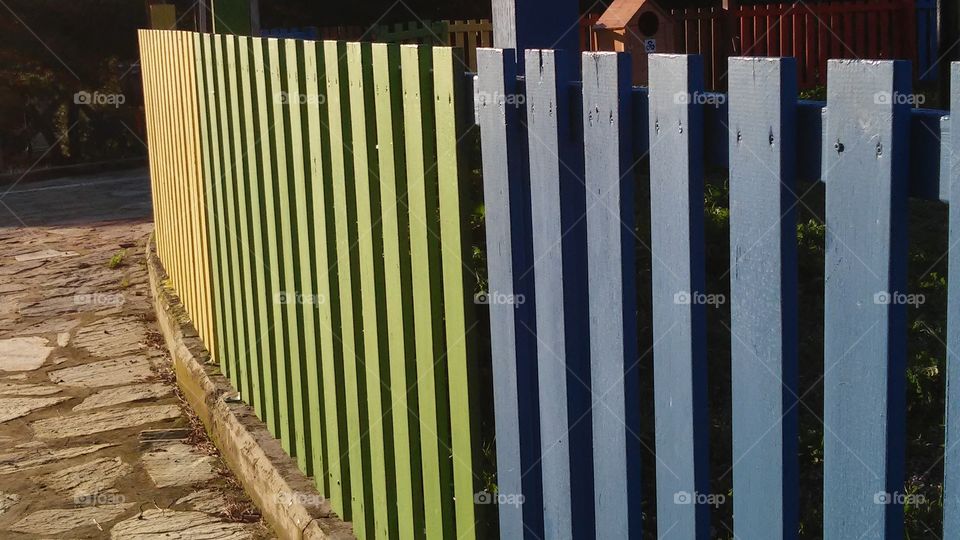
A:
[94,442]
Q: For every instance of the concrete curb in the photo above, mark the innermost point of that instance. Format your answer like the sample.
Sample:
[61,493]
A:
[287,498]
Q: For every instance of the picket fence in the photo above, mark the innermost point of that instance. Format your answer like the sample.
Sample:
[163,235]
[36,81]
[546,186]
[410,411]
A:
[310,211]
[311,204]
[567,423]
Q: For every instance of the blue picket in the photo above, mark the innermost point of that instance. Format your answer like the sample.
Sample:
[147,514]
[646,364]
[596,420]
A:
[559,244]
[951,458]
[679,309]
[763,295]
[864,319]
[609,181]
[511,294]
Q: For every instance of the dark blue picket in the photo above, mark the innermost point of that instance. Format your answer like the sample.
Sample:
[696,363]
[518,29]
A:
[864,331]
[679,325]
[763,295]
[611,241]
[951,459]
[511,294]
[559,243]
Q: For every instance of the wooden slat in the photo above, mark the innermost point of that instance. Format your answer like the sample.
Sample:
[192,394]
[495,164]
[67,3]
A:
[864,335]
[679,313]
[951,458]
[334,402]
[455,204]
[323,417]
[238,230]
[344,205]
[205,186]
[557,195]
[276,409]
[612,292]
[399,295]
[298,254]
[281,251]
[763,291]
[422,192]
[224,187]
[509,257]
[363,143]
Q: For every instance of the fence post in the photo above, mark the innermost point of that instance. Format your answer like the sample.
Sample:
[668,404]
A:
[537,24]
[951,459]
[506,193]
[612,292]
[763,295]
[679,307]
[559,248]
[867,134]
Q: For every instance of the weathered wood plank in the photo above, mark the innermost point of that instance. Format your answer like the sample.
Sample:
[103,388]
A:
[763,295]
[558,204]
[864,317]
[344,204]
[399,296]
[679,295]
[373,309]
[510,296]
[422,193]
[458,313]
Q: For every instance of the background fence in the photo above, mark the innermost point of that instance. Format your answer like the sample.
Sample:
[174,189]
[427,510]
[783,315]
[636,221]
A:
[318,187]
[812,33]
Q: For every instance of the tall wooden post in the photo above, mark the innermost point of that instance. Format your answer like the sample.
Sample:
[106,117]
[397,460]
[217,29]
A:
[537,24]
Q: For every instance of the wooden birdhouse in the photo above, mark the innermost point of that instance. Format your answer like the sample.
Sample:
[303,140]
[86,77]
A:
[639,27]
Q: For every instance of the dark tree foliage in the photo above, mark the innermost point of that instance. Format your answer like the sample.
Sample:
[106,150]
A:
[49,51]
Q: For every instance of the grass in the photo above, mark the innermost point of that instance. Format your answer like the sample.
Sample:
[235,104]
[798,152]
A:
[116,261]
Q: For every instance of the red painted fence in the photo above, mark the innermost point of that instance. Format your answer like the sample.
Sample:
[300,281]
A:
[812,33]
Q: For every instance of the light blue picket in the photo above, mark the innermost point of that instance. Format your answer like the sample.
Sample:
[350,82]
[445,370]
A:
[608,166]
[511,302]
[763,295]
[864,317]
[559,253]
[951,459]
[679,311]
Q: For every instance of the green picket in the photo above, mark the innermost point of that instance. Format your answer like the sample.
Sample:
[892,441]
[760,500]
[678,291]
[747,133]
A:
[210,162]
[397,285]
[224,182]
[458,313]
[376,359]
[418,110]
[257,301]
[302,302]
[288,328]
[344,203]
[247,316]
[278,421]
[322,381]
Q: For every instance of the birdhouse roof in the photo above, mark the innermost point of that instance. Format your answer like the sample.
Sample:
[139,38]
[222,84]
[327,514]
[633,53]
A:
[621,12]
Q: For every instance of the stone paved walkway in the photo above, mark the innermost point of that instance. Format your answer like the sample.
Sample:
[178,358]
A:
[94,443]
